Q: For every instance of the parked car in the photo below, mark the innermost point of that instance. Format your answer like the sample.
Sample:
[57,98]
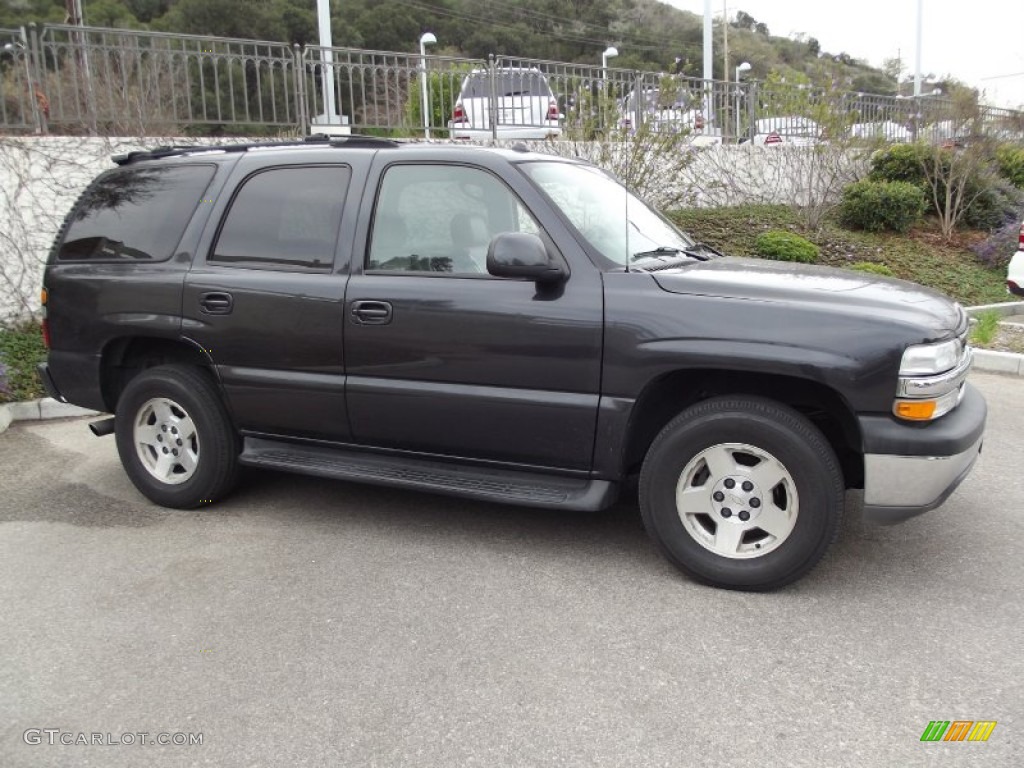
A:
[524,106]
[792,130]
[669,113]
[886,130]
[499,325]
[1015,272]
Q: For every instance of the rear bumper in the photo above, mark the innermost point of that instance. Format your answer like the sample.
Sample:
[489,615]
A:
[528,132]
[51,389]
[913,468]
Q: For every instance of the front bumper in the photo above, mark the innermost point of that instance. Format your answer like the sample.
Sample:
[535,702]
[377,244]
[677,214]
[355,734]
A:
[913,468]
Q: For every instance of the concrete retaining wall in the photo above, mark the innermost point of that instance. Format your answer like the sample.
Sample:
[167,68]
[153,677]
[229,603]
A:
[41,177]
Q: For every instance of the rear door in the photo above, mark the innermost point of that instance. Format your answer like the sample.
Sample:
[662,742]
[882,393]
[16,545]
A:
[265,297]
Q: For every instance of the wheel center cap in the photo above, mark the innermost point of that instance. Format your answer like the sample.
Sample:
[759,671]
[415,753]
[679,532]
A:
[736,498]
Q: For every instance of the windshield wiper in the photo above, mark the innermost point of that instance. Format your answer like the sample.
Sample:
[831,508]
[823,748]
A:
[698,251]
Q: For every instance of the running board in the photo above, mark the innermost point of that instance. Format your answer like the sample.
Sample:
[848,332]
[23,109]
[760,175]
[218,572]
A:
[502,486]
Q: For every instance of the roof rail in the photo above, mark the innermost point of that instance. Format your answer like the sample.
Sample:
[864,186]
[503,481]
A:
[354,140]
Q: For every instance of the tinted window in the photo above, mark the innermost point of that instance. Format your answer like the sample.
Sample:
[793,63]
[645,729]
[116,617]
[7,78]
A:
[438,218]
[136,214]
[285,217]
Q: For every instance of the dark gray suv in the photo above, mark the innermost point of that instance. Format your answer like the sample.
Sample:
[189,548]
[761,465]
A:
[499,325]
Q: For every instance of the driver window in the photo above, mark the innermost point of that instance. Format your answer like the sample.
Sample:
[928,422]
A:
[440,219]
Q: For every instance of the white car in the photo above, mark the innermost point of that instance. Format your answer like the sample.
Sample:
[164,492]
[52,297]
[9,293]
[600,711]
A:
[887,130]
[1015,272]
[792,130]
[525,106]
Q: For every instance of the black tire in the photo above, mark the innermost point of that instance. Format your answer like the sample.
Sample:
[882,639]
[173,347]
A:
[739,429]
[210,452]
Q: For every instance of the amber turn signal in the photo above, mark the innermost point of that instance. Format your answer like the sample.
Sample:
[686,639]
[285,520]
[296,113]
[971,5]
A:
[915,410]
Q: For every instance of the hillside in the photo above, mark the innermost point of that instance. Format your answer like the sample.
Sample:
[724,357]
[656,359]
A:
[649,35]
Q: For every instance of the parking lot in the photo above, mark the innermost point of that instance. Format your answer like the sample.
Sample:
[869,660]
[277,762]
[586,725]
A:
[309,622]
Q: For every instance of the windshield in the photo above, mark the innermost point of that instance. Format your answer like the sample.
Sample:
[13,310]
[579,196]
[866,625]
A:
[617,223]
[506,83]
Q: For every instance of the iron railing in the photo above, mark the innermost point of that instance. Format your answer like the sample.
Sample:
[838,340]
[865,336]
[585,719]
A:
[90,80]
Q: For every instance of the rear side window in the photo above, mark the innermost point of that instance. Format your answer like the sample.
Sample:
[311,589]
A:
[285,217]
[135,214]
[511,83]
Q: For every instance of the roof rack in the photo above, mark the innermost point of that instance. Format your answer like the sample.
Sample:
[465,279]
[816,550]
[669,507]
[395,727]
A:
[354,140]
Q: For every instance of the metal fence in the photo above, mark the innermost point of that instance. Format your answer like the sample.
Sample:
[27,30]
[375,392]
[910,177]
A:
[87,80]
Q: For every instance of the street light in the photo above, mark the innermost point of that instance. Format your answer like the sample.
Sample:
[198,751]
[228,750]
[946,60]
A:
[610,52]
[744,67]
[427,38]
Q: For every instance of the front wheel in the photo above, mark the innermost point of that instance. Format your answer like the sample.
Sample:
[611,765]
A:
[175,438]
[742,493]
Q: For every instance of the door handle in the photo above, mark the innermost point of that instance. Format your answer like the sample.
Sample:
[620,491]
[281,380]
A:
[371,312]
[216,303]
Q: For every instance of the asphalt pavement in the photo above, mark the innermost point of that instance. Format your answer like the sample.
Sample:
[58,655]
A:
[305,622]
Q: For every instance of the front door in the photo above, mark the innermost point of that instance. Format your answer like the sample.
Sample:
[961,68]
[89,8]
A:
[442,358]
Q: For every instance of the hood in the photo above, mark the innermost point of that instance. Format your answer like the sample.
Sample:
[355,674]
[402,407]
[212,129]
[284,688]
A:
[838,290]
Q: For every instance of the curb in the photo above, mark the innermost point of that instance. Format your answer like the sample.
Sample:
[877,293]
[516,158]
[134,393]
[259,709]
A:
[989,360]
[39,410]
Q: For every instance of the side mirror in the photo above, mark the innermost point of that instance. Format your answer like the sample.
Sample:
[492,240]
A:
[517,254]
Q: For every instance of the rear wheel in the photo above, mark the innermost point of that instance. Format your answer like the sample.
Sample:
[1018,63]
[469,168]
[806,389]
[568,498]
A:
[742,493]
[175,438]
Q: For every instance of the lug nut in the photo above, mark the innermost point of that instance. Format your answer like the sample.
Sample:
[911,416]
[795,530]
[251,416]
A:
[178,441]
[165,449]
[730,483]
[755,503]
[744,515]
[726,512]
[718,496]
[175,451]
[159,438]
[748,486]
[163,427]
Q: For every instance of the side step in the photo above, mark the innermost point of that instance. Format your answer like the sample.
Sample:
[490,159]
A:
[532,489]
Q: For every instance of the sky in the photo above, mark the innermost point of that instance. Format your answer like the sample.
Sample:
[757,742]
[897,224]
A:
[980,42]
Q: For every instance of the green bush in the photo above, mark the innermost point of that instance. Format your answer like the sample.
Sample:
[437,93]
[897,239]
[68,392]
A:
[879,205]
[785,246]
[901,162]
[21,349]
[995,202]
[872,267]
[1010,161]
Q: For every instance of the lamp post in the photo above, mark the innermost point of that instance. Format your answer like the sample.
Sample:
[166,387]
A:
[427,38]
[744,67]
[610,52]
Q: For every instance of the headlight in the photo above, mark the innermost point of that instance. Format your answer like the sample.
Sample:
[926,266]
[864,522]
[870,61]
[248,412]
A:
[931,380]
[928,359]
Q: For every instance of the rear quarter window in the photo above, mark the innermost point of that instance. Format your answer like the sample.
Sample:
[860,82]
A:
[135,214]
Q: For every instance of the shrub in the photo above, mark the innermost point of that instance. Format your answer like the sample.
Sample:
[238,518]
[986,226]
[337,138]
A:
[878,205]
[901,162]
[785,246]
[995,202]
[1010,161]
[21,349]
[872,267]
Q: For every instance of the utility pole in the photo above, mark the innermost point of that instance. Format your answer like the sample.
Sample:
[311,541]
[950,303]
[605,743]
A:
[725,42]
[917,69]
[323,8]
